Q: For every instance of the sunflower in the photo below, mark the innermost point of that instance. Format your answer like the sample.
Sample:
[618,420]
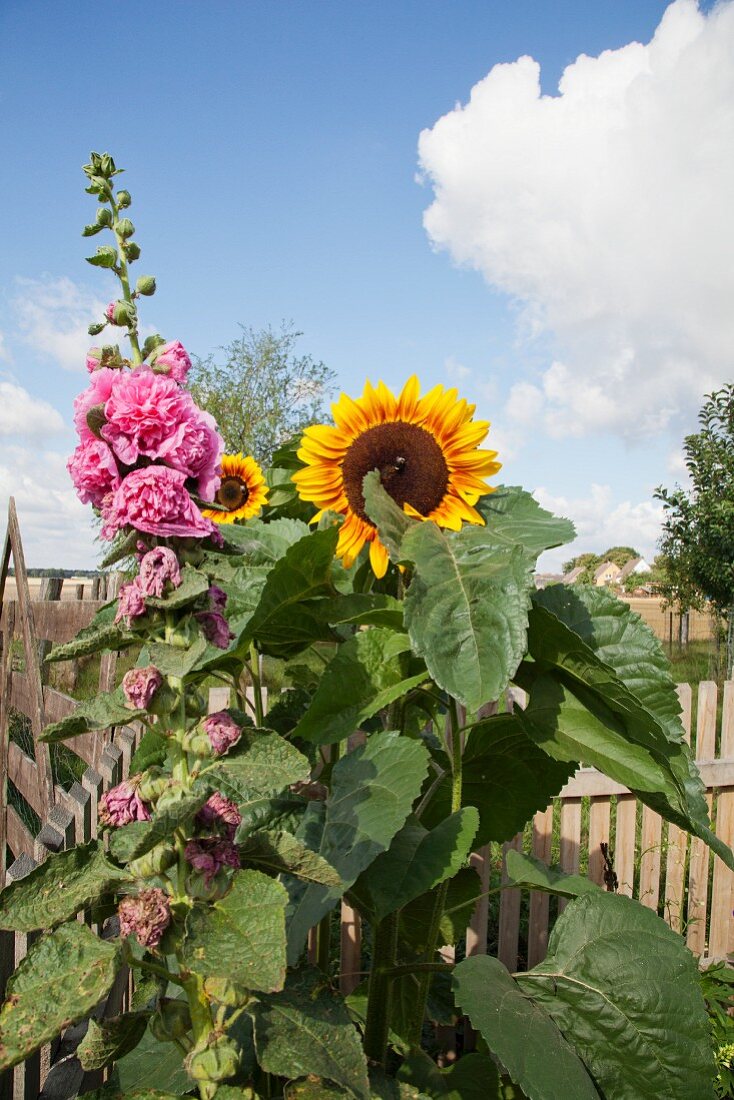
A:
[424,447]
[242,491]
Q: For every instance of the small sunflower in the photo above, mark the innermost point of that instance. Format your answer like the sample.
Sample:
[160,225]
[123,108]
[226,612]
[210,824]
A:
[424,447]
[242,491]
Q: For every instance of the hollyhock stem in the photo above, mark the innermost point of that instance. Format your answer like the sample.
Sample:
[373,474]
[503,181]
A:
[379,997]
[256,684]
[124,277]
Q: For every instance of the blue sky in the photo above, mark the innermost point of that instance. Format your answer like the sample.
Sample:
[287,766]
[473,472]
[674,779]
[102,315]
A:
[272,151]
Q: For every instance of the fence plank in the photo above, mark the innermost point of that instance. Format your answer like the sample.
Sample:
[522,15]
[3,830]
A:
[599,825]
[570,839]
[698,871]
[625,844]
[675,864]
[509,929]
[6,674]
[650,848]
[721,937]
[539,902]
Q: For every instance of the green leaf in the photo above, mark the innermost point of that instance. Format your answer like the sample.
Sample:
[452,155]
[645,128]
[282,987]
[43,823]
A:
[505,775]
[38,1009]
[284,622]
[263,812]
[464,889]
[151,751]
[150,1070]
[110,1039]
[282,852]
[241,937]
[57,889]
[532,874]
[515,516]
[102,633]
[124,546]
[105,256]
[263,543]
[391,521]
[261,764]
[416,861]
[473,1077]
[365,675]
[363,609]
[521,1034]
[372,793]
[172,660]
[110,1092]
[134,840]
[466,609]
[193,585]
[306,1029]
[624,990]
[98,713]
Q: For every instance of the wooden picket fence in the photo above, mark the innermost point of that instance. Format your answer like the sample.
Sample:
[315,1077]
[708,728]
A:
[654,862]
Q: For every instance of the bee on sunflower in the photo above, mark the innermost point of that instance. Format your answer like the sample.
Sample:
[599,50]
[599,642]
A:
[425,448]
[242,491]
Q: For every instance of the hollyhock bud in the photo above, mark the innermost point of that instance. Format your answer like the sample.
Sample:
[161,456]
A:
[122,804]
[139,685]
[220,814]
[145,916]
[215,628]
[130,602]
[156,568]
[120,313]
[172,1020]
[217,1059]
[110,313]
[145,285]
[123,199]
[222,731]
[210,855]
[217,598]
[125,228]
[172,359]
[154,862]
[94,356]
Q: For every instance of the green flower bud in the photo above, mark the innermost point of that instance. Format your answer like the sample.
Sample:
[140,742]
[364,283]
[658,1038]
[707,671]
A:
[94,330]
[123,313]
[217,1060]
[153,784]
[132,250]
[172,1021]
[226,992]
[106,166]
[123,199]
[104,216]
[96,420]
[216,888]
[151,343]
[125,228]
[197,743]
[146,285]
[154,862]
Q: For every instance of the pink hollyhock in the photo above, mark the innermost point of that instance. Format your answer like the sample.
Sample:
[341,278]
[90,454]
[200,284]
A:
[215,628]
[130,602]
[156,568]
[222,731]
[209,855]
[174,357]
[93,471]
[155,500]
[195,447]
[217,598]
[122,804]
[96,393]
[93,358]
[143,411]
[219,812]
[146,916]
[139,685]
[110,312]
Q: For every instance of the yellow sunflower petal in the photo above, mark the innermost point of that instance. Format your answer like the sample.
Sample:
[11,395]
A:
[378,558]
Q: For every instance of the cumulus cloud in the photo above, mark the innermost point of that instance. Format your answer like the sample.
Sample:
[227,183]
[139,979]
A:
[52,316]
[23,415]
[605,211]
[600,523]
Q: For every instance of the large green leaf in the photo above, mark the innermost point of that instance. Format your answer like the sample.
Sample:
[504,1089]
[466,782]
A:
[282,852]
[284,622]
[624,990]
[108,1040]
[365,675]
[529,873]
[59,982]
[389,518]
[515,516]
[260,765]
[102,633]
[97,713]
[176,660]
[473,1077]
[193,584]
[416,861]
[151,751]
[152,1069]
[463,892]
[520,1033]
[372,793]
[241,938]
[57,889]
[262,543]
[306,1029]
[505,775]
[134,840]
[466,609]
[362,609]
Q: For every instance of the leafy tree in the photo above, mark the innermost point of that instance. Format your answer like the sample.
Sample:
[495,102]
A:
[620,555]
[263,392]
[588,561]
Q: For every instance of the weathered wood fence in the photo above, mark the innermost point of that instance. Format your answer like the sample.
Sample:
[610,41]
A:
[654,862]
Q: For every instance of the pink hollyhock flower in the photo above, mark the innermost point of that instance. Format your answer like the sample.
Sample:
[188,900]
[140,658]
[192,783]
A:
[217,598]
[219,812]
[93,359]
[96,393]
[195,447]
[215,628]
[110,312]
[209,855]
[130,602]
[122,804]
[140,685]
[222,731]
[93,471]
[145,916]
[155,500]
[143,411]
[158,566]
[174,357]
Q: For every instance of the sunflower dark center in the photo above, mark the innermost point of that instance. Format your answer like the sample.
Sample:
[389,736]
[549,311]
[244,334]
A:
[411,464]
[232,493]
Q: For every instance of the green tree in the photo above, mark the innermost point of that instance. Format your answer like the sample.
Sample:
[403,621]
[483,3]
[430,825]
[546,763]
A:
[261,392]
[620,555]
[698,528]
[587,561]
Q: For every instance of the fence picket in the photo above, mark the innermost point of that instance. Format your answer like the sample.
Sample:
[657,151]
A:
[675,865]
[650,848]
[721,937]
[570,840]
[698,871]
[509,929]
[539,902]
[600,810]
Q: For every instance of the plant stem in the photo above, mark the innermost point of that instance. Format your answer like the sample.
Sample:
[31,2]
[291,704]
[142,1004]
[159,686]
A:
[256,684]
[379,992]
[155,968]
[323,942]
[418,968]
[124,277]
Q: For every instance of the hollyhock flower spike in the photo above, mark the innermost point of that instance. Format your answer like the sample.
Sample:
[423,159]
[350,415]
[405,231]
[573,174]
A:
[130,603]
[157,568]
[140,685]
[122,804]
[145,916]
[222,731]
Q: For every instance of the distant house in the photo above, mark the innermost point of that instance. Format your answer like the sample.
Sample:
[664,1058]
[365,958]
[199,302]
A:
[573,575]
[606,574]
[638,566]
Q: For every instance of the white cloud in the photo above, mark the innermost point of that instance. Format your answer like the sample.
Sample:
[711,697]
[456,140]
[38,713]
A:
[55,526]
[601,523]
[52,316]
[605,211]
[23,415]
[456,371]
